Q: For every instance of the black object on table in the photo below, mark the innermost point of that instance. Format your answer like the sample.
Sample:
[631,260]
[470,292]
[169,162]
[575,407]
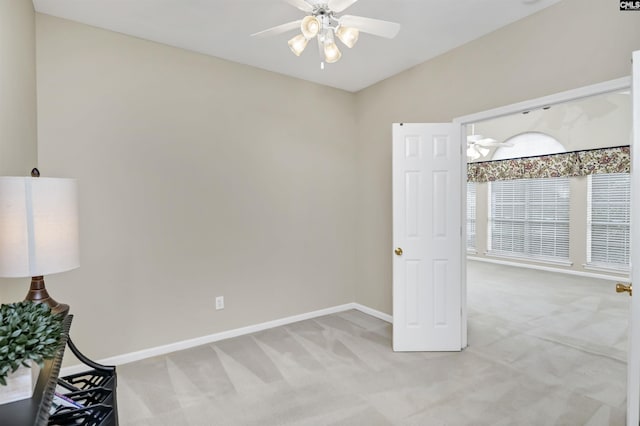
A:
[95,390]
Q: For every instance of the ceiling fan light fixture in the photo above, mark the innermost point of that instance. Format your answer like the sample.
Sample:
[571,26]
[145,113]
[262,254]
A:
[348,35]
[297,44]
[331,52]
[472,154]
[321,21]
[310,27]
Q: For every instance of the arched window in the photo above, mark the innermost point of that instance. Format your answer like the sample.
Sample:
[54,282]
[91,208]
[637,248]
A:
[527,145]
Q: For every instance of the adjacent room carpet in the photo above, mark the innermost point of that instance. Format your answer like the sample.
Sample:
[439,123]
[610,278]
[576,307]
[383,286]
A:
[544,349]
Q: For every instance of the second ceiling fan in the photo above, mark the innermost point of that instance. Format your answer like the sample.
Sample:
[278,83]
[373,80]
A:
[322,23]
[478,146]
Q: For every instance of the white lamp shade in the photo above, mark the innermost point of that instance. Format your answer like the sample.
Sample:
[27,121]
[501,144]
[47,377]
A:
[331,52]
[297,44]
[38,226]
[348,35]
[310,27]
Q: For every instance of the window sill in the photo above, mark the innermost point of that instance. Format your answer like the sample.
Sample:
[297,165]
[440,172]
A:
[610,269]
[554,262]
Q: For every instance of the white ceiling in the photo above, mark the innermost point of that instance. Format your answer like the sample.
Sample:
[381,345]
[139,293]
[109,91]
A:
[222,28]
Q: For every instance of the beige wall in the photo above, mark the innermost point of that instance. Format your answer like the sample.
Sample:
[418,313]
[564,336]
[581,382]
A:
[198,178]
[17,103]
[571,44]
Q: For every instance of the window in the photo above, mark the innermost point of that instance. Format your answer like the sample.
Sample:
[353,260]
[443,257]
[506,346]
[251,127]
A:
[608,212]
[530,218]
[471,216]
[528,144]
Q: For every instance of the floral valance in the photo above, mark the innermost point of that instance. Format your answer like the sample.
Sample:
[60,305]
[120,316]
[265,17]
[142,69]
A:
[578,163]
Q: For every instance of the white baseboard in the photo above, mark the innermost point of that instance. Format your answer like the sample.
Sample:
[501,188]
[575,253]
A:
[190,343]
[374,313]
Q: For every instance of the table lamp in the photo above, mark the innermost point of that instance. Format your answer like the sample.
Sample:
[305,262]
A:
[38,231]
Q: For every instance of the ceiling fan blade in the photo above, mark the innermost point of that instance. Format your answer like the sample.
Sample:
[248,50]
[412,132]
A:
[338,6]
[482,150]
[487,142]
[289,26]
[301,4]
[498,145]
[372,26]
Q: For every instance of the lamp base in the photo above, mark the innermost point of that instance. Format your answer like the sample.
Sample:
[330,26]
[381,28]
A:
[38,294]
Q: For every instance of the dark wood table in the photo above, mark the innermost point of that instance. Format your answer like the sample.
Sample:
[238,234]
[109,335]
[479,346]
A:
[35,410]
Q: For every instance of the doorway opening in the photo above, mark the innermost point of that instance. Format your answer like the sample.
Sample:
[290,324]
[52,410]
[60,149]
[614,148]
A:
[542,259]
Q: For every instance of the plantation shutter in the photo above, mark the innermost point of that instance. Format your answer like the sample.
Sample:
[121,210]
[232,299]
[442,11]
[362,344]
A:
[530,218]
[608,214]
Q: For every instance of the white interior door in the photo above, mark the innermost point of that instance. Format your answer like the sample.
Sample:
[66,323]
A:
[427,237]
[633,361]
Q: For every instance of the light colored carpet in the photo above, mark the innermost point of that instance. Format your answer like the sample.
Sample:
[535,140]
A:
[544,349]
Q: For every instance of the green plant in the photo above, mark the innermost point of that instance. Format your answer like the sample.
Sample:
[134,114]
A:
[28,332]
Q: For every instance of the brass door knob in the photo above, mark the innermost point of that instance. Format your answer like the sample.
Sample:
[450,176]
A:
[398,251]
[621,288]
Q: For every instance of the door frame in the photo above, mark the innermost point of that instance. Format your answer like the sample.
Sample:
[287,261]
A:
[460,123]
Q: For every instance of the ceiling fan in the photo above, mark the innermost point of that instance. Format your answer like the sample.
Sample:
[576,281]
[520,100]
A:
[323,23]
[478,146]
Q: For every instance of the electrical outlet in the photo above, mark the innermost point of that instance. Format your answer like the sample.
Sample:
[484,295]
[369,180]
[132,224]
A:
[219,302]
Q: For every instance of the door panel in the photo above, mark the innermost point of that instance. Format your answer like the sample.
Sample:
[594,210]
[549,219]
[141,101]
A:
[427,227]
